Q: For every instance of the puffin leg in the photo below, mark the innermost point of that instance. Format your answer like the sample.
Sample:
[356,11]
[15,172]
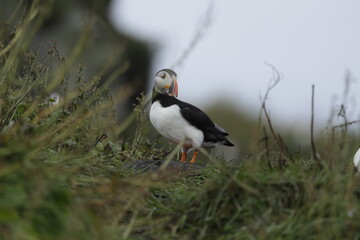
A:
[193,159]
[183,155]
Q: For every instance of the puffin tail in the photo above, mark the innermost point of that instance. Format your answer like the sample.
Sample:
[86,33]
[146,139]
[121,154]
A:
[228,143]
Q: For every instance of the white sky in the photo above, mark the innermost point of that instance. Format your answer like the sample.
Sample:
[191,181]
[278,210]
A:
[308,41]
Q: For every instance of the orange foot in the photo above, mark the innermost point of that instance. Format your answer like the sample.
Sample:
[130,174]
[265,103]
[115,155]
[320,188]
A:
[183,157]
[193,159]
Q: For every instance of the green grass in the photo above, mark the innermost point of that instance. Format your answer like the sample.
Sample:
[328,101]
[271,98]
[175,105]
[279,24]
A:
[64,169]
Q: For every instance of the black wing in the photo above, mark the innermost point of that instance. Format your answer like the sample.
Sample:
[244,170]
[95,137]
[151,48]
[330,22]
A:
[196,117]
[191,113]
[212,132]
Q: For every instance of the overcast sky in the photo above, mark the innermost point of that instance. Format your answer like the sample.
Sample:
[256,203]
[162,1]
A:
[309,42]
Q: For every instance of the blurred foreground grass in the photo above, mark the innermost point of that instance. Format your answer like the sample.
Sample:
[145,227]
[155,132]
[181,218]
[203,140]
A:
[64,171]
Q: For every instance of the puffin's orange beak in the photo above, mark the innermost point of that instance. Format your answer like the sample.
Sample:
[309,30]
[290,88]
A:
[175,91]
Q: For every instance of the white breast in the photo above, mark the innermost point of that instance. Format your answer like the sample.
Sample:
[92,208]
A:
[169,123]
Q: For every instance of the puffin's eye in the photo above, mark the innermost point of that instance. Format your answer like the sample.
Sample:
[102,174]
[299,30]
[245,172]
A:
[163,76]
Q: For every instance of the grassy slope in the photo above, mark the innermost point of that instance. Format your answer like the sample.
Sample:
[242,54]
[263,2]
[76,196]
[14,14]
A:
[62,178]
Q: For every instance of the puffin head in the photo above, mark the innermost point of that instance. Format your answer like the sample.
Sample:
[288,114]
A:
[166,83]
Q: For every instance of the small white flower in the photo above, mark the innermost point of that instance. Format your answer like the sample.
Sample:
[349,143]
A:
[54,99]
[351,213]
[357,160]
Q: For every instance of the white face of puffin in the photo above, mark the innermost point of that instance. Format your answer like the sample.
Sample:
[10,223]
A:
[166,83]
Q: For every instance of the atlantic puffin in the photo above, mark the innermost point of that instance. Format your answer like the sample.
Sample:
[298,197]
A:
[181,122]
